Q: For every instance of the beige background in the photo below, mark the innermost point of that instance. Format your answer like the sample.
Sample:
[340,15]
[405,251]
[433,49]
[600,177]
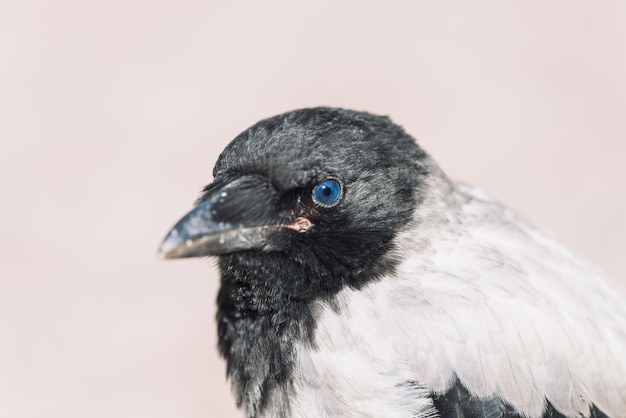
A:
[112,114]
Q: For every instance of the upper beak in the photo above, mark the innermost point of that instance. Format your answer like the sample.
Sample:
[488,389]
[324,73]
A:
[230,217]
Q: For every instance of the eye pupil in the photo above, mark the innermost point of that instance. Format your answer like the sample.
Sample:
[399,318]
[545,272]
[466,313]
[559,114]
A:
[327,193]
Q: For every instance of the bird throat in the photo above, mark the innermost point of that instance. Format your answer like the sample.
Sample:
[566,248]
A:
[265,312]
[258,330]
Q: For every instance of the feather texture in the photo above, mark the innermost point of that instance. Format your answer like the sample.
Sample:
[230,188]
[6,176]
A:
[411,296]
[457,402]
[481,296]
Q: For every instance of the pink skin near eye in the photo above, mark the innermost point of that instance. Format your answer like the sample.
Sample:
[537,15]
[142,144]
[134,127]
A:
[300,225]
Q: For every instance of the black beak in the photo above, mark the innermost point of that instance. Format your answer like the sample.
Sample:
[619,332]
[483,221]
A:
[229,217]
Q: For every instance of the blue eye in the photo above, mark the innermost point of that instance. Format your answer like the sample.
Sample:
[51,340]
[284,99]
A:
[327,193]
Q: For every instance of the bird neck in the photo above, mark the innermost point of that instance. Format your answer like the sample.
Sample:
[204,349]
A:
[257,337]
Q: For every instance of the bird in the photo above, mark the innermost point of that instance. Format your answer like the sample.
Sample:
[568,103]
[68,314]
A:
[358,280]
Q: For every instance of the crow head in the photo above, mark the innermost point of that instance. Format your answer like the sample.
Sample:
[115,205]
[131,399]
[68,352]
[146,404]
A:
[304,204]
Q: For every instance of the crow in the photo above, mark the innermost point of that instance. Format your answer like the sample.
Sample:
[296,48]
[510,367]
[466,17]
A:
[358,280]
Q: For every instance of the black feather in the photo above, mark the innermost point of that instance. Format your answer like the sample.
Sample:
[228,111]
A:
[264,304]
[457,402]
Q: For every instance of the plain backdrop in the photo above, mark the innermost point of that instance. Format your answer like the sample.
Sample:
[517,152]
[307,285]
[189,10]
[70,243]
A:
[112,114]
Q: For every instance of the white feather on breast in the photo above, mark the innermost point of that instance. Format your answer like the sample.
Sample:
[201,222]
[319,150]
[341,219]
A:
[480,295]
